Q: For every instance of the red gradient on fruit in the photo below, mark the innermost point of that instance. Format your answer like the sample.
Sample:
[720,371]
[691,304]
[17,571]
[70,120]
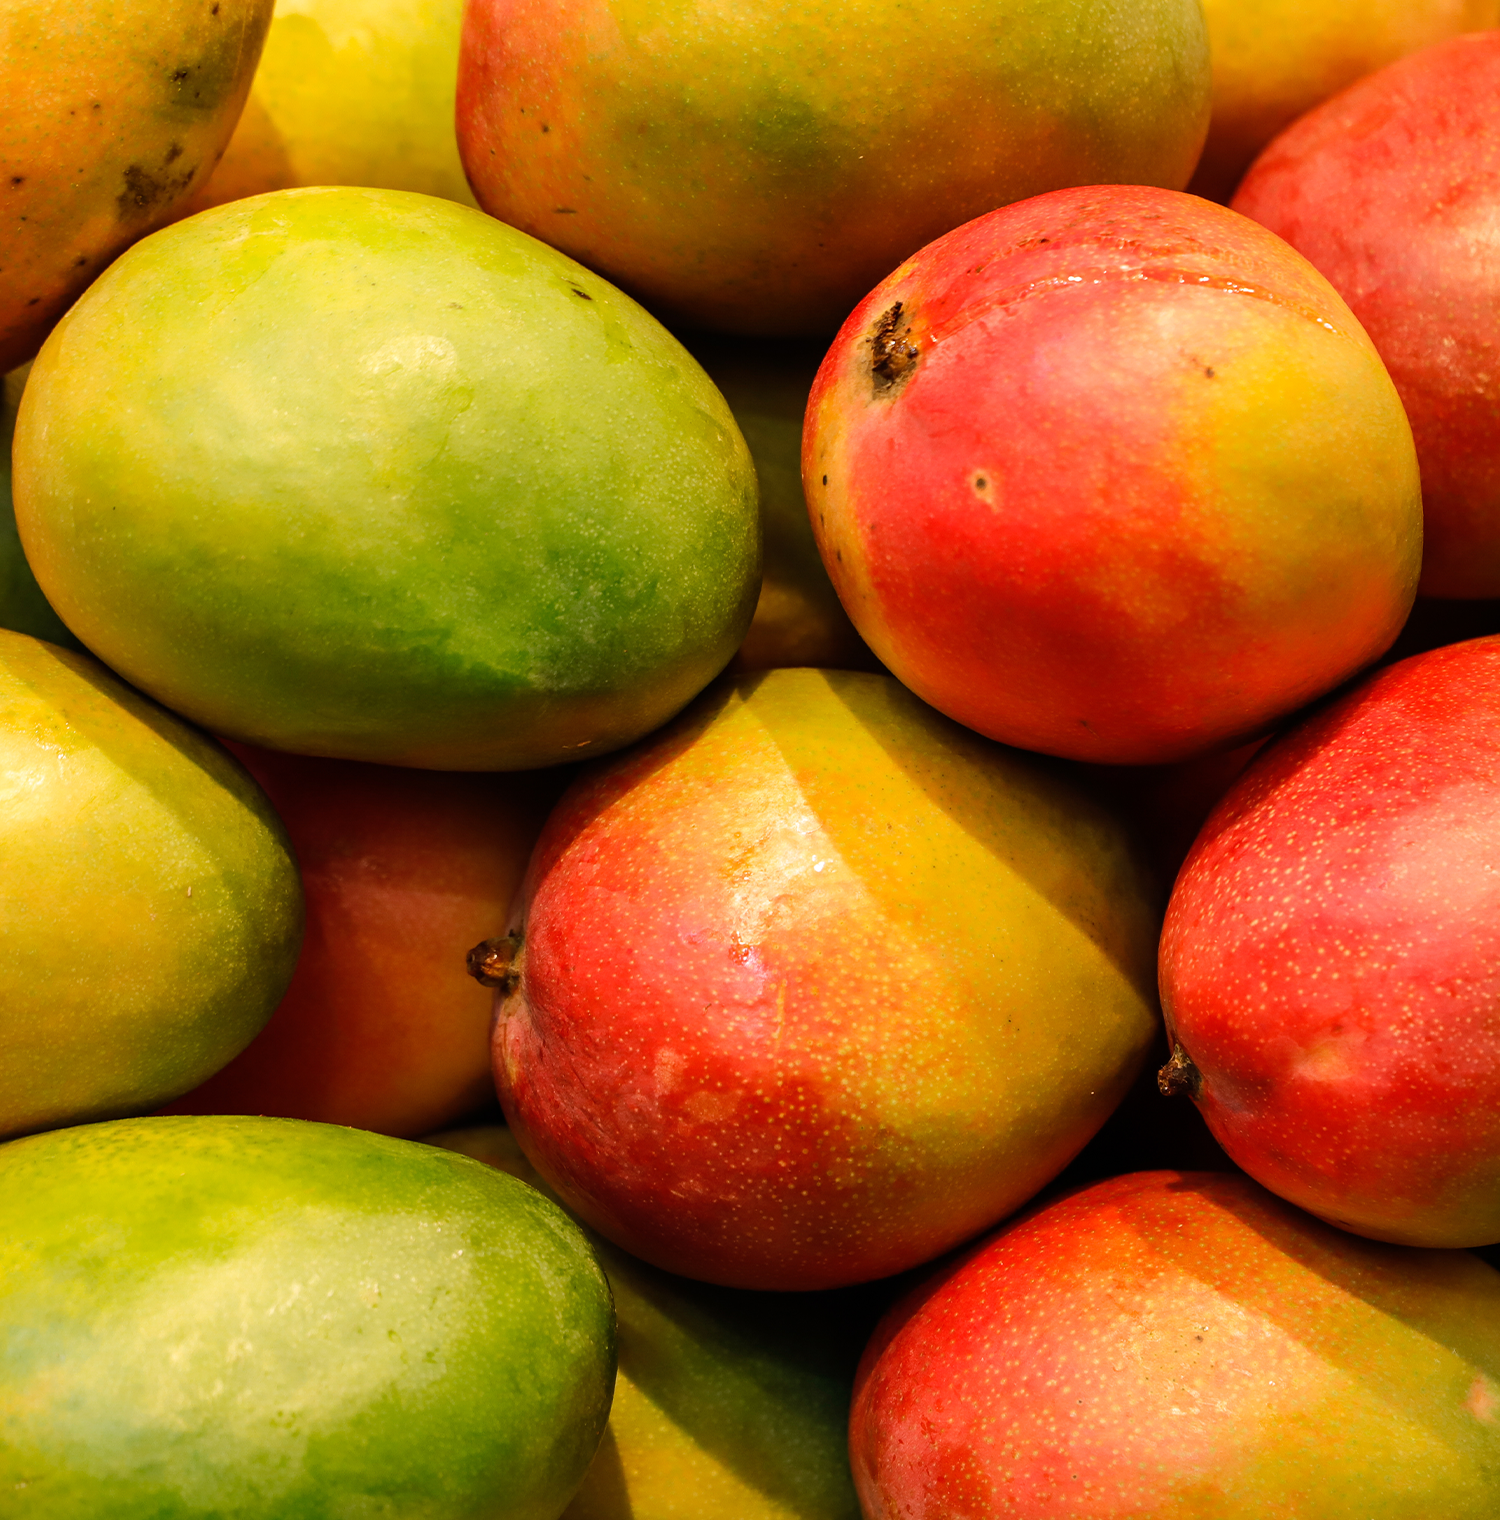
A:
[404,872]
[1393,190]
[1331,957]
[1113,474]
[815,984]
[1166,1345]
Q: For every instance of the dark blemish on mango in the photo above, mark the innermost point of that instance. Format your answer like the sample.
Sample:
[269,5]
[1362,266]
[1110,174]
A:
[577,292]
[18,179]
[80,261]
[145,191]
[981,483]
[564,211]
[825,480]
[174,152]
[33,301]
[892,359]
[545,127]
[214,11]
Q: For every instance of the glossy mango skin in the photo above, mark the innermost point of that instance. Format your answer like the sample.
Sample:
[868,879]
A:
[260,1319]
[115,112]
[1113,474]
[1329,958]
[728,1405]
[1273,60]
[756,167]
[1183,1346]
[814,984]
[1393,190]
[349,92]
[150,911]
[403,871]
[280,470]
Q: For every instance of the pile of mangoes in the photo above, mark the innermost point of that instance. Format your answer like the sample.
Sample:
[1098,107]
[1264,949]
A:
[738,778]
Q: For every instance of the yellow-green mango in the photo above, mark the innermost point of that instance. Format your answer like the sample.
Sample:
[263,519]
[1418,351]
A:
[349,92]
[150,908]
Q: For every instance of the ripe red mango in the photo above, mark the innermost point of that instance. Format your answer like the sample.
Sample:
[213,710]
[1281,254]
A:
[1113,474]
[1393,190]
[1166,1345]
[403,872]
[1330,964]
[815,984]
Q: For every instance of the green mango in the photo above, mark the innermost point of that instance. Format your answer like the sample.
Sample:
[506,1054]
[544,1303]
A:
[266,1319]
[367,474]
[730,1405]
[150,908]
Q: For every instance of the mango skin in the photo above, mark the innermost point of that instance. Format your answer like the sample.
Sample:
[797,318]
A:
[758,1037]
[23,608]
[728,1405]
[404,871]
[115,111]
[365,474]
[1330,961]
[150,913]
[259,1319]
[1183,1346]
[1125,482]
[756,168]
[1274,60]
[349,92]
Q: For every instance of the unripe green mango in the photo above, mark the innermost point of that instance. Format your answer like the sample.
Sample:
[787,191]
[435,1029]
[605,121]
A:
[265,1319]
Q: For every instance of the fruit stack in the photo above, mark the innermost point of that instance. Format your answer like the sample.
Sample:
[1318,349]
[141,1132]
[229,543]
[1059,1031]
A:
[739,778]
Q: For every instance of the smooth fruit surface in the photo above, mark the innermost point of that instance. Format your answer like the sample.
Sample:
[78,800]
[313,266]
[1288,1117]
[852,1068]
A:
[1330,963]
[349,92]
[1274,60]
[366,474]
[756,168]
[728,1405]
[1113,474]
[1169,1346]
[150,910]
[1393,190]
[814,984]
[114,112]
[404,871]
[258,1319]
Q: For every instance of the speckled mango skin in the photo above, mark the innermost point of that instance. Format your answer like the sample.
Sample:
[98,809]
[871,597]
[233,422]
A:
[349,92]
[815,984]
[1124,481]
[728,1405]
[756,167]
[114,112]
[260,1319]
[150,908]
[1331,957]
[1393,190]
[366,474]
[1183,1346]
[1274,60]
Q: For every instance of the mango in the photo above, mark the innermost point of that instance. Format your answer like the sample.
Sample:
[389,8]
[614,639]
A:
[366,474]
[349,92]
[150,912]
[261,1319]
